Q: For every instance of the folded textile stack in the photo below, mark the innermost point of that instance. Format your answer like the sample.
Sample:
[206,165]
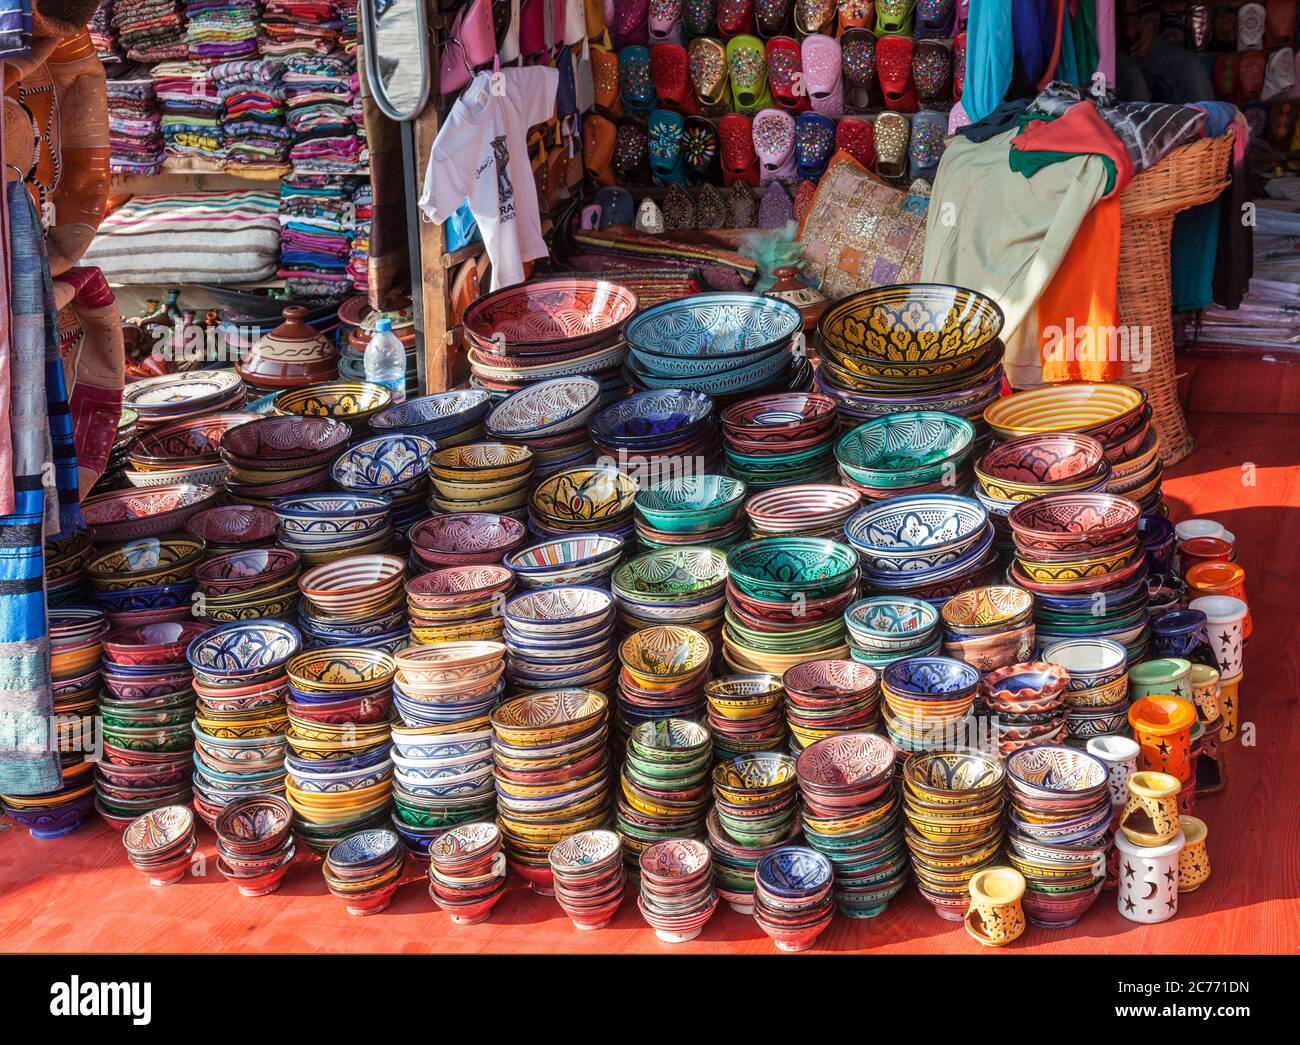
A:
[150,30]
[221,30]
[359,258]
[348,34]
[134,139]
[103,35]
[252,115]
[316,219]
[191,116]
[318,93]
[299,27]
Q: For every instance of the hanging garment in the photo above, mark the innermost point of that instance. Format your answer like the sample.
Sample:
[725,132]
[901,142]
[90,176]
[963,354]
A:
[990,54]
[1234,262]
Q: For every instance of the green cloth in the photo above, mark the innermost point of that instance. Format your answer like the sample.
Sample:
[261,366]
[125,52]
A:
[1030,161]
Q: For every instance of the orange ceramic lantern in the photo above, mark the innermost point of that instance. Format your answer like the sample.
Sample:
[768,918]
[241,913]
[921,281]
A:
[1220,578]
[1162,726]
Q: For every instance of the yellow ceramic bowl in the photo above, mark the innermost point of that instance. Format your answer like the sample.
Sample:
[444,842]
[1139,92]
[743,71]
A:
[40,802]
[352,401]
[548,717]
[336,733]
[988,607]
[339,669]
[1002,490]
[940,828]
[578,497]
[147,562]
[1061,408]
[1080,569]
[1106,696]
[481,462]
[318,750]
[1147,455]
[378,544]
[916,322]
[850,824]
[492,628]
[505,503]
[473,490]
[443,729]
[242,730]
[744,660]
[664,655]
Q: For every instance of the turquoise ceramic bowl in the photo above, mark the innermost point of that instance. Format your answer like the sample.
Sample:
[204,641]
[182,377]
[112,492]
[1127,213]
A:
[904,449]
[695,502]
[779,568]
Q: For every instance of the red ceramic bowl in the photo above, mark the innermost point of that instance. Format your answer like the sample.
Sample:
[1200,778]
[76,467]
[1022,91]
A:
[287,441]
[1043,457]
[1073,522]
[544,315]
[192,441]
[233,524]
[783,412]
[160,644]
[233,572]
[122,515]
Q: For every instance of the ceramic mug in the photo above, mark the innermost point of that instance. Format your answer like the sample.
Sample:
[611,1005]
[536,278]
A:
[1194,860]
[1205,691]
[1162,725]
[1225,625]
[1151,813]
[995,918]
[1120,755]
[1148,879]
[1221,578]
[1230,707]
[1166,675]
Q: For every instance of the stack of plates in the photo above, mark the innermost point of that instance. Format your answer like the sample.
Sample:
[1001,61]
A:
[718,344]
[804,510]
[776,440]
[550,419]
[1138,476]
[392,466]
[584,499]
[341,601]
[793,902]
[148,573]
[128,424]
[927,703]
[587,560]
[746,715]
[458,603]
[178,397]
[448,418]
[187,451]
[679,586]
[327,526]
[660,435]
[664,787]
[696,509]
[464,539]
[419,821]
[233,527]
[785,602]
[1097,696]
[548,328]
[887,628]
[990,628]
[1026,703]
[274,457]
[55,814]
[907,453]
[243,585]
[65,567]
[664,671]
[824,698]
[354,402]
[481,477]
[160,844]
[561,637]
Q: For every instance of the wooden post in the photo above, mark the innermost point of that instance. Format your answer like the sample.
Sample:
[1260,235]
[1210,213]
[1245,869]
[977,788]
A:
[431,313]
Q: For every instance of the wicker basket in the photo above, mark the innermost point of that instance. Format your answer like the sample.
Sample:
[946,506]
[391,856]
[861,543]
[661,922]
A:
[1189,176]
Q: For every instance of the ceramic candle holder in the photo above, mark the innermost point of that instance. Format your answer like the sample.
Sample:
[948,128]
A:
[995,918]
[1220,578]
[1180,633]
[1194,860]
[1190,528]
[1120,754]
[1148,879]
[1203,549]
[1170,676]
[1205,692]
[1162,725]
[1230,707]
[1208,763]
[1151,814]
[1225,625]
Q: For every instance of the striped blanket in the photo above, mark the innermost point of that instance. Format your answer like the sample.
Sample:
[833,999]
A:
[214,237]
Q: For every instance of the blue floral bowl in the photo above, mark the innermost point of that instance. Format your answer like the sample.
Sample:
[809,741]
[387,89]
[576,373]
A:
[920,532]
[364,849]
[434,416]
[793,872]
[243,651]
[711,325]
[650,419]
[931,678]
[391,464]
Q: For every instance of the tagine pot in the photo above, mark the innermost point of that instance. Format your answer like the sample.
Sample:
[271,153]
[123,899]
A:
[292,354]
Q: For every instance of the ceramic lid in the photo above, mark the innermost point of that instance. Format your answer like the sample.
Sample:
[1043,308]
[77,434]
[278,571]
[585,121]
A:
[292,342]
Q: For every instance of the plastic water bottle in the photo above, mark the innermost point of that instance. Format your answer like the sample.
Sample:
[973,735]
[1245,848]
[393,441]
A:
[385,360]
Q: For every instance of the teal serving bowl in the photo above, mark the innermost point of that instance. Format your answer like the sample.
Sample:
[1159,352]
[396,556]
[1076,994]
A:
[904,449]
[692,503]
[777,569]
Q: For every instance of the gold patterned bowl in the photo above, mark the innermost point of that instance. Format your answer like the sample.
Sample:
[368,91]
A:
[340,670]
[146,562]
[1100,410]
[665,653]
[911,323]
[481,462]
[355,402]
[584,495]
[987,611]
[548,717]
[751,779]
[952,777]
[1078,569]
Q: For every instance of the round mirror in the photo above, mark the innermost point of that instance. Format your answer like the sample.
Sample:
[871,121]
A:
[396,53]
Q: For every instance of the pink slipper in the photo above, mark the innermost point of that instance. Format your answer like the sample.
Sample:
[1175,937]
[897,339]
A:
[821,70]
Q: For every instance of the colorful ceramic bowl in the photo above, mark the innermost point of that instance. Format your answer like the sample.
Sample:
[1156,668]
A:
[1104,411]
[547,408]
[709,325]
[391,463]
[583,496]
[692,503]
[904,449]
[921,322]
[543,314]
[355,402]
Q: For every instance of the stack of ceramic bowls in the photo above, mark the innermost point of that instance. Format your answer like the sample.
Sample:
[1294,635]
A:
[546,328]
[364,870]
[357,325]
[76,650]
[327,526]
[158,401]
[467,872]
[1158,539]
[665,434]
[341,600]
[1097,694]
[905,454]
[927,703]
[551,419]
[1138,475]
[146,574]
[187,451]
[448,418]
[589,877]
[778,440]
[159,844]
[1037,465]
[664,789]
[124,515]
[695,510]
[1083,545]
[852,816]
[481,477]
[57,813]
[785,602]
[552,774]
[593,499]
[1026,703]
[665,669]
[110,478]
[353,402]
[910,347]
[756,798]
[684,586]
[926,545]
[886,628]
[561,637]
[254,844]
[458,603]
[718,344]
[242,585]
[393,465]
[585,560]
[277,456]
[239,671]
[990,627]
[677,893]
[953,804]
[803,510]
[465,539]
[233,528]
[65,568]
[793,900]
[1058,830]
[746,715]
[827,697]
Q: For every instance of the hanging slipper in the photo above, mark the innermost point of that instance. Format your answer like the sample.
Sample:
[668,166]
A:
[707,61]
[894,69]
[926,147]
[679,209]
[700,150]
[771,17]
[776,208]
[1282,123]
[1250,75]
[742,207]
[710,209]
[1225,77]
[892,135]
[855,14]
[1225,28]
[617,207]
[698,18]
[935,19]
[963,15]
[932,70]
[664,147]
[1279,24]
[649,218]
[747,67]
[1197,20]
[894,17]
[1250,27]
[785,74]
[594,15]
[773,132]
[822,76]
[599,141]
[814,145]
[735,18]
[958,64]
[858,59]
[635,87]
[1256,114]
[957,118]
[671,74]
[664,21]
[630,160]
[739,161]
[856,137]
[1279,74]
[604,77]
[630,25]
[814,16]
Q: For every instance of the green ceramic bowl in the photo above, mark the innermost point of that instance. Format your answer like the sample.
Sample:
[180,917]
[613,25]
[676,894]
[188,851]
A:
[692,503]
[779,568]
[803,640]
[671,575]
[904,449]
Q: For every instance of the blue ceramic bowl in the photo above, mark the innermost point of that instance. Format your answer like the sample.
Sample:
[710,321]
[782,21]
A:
[729,382]
[712,325]
[1091,662]
[432,416]
[364,849]
[650,419]
[891,621]
[427,747]
[367,759]
[243,650]
[892,579]
[919,531]
[332,514]
[794,871]
[931,678]
[391,463]
[155,597]
[686,368]
[339,783]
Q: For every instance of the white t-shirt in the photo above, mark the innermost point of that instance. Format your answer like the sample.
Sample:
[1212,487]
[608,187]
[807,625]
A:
[481,154]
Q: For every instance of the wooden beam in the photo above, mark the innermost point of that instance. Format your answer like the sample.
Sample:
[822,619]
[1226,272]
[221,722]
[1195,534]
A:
[431,303]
